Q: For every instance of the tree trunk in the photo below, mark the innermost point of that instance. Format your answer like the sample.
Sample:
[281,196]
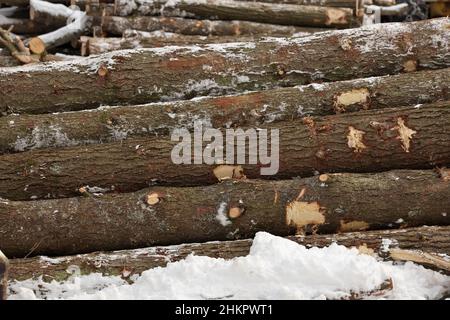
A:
[185,72]
[283,14]
[324,3]
[4,268]
[165,216]
[117,25]
[367,141]
[28,132]
[129,262]
[133,39]
[8,61]
[24,3]
[52,15]
[24,26]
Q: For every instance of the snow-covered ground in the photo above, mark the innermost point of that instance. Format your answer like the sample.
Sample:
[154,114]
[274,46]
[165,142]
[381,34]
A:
[276,268]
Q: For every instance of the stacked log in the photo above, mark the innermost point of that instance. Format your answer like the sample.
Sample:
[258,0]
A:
[228,68]
[363,118]
[126,263]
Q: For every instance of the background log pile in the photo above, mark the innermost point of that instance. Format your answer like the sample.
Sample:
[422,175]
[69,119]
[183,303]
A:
[363,113]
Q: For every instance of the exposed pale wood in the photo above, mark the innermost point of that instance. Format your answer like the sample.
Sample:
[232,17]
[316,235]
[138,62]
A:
[140,39]
[175,73]
[425,258]
[24,3]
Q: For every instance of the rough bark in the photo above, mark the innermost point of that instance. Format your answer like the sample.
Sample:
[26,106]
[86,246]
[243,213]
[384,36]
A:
[344,203]
[367,141]
[4,268]
[70,24]
[323,3]
[24,3]
[129,262]
[8,61]
[53,15]
[117,25]
[28,132]
[140,39]
[23,26]
[283,14]
[157,74]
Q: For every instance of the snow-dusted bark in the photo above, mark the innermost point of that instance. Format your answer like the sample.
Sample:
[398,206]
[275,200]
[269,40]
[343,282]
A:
[73,22]
[28,132]
[343,203]
[284,14]
[133,39]
[365,141]
[174,72]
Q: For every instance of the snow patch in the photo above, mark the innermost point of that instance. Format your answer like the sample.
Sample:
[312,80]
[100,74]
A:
[276,268]
[221,215]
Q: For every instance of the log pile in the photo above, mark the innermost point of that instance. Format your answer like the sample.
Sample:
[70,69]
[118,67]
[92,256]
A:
[363,117]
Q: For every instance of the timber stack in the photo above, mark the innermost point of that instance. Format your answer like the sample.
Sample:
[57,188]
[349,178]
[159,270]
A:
[92,93]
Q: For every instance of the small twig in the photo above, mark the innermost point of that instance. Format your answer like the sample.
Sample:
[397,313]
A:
[15,46]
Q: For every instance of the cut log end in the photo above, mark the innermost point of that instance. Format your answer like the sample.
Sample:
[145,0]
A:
[37,46]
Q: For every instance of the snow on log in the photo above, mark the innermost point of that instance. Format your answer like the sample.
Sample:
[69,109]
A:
[323,3]
[127,263]
[141,39]
[343,203]
[117,25]
[366,141]
[74,22]
[49,13]
[24,3]
[28,132]
[173,73]
[283,14]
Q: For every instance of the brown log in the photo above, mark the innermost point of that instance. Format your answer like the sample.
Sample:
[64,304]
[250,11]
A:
[323,3]
[174,73]
[23,26]
[8,61]
[117,25]
[24,3]
[28,132]
[53,15]
[344,203]
[140,39]
[283,14]
[127,263]
[427,259]
[366,141]
[4,268]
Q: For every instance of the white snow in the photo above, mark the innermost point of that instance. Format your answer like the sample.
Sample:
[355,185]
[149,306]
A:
[276,268]
[221,216]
